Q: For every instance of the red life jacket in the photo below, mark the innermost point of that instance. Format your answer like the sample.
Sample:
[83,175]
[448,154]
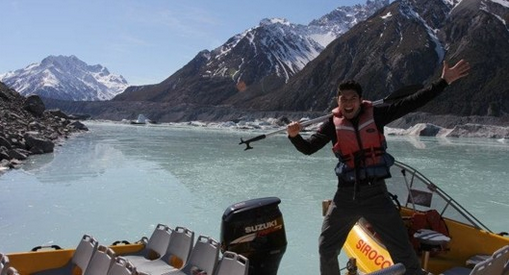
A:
[366,143]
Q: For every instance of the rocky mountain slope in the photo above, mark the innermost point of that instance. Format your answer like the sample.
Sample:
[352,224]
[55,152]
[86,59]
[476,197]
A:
[66,78]
[402,43]
[252,63]
[405,43]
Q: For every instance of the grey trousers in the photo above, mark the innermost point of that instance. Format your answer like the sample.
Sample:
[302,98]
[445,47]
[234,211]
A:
[374,204]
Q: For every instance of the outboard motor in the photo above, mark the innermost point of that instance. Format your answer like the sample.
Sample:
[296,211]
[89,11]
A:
[255,229]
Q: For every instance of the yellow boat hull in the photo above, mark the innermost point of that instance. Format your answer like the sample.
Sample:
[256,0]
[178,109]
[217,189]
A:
[370,254]
[466,241]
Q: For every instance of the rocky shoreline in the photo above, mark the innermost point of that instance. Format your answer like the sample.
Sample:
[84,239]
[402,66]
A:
[27,128]
[413,124]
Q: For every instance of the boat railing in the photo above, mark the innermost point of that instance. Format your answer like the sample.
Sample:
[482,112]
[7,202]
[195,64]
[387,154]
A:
[420,197]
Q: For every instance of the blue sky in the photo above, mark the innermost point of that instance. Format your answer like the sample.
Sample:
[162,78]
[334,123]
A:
[144,40]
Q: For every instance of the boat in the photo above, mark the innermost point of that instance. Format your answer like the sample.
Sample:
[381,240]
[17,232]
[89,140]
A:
[444,234]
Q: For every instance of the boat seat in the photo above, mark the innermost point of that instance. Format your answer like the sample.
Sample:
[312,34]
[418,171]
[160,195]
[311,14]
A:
[177,253]
[4,264]
[101,261]
[429,220]
[472,261]
[81,257]
[493,265]
[431,238]
[502,255]
[233,264]
[122,266]
[11,271]
[155,248]
[430,241]
[506,269]
[203,259]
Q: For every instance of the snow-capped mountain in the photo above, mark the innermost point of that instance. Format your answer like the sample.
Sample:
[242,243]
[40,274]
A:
[66,78]
[256,60]
[278,65]
[406,43]
[289,47]
[330,26]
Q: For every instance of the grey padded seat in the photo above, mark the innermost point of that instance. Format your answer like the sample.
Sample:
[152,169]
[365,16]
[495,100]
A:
[4,264]
[501,257]
[101,261]
[81,257]
[232,264]
[11,271]
[155,247]
[493,265]
[122,266]
[203,260]
[179,247]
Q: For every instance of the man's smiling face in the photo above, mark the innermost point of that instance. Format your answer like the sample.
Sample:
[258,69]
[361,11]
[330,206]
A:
[349,103]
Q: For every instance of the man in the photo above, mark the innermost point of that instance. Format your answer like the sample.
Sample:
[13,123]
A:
[356,133]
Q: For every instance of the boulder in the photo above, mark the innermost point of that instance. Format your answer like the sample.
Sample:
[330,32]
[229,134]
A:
[34,105]
[18,154]
[4,154]
[78,125]
[5,143]
[57,113]
[38,145]
[15,163]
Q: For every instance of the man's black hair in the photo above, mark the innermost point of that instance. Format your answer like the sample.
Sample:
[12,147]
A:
[350,85]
